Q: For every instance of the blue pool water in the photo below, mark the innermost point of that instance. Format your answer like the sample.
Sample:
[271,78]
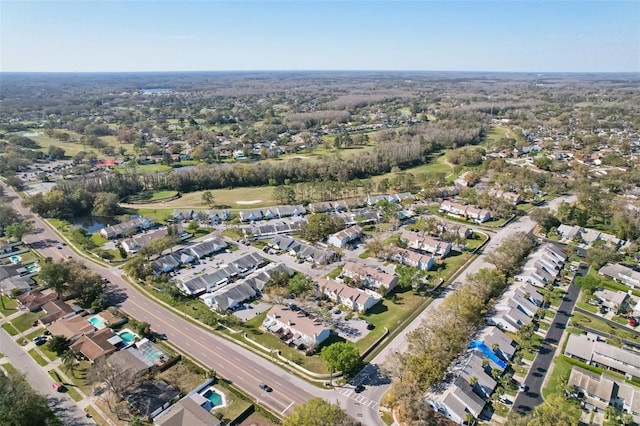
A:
[127,337]
[479,345]
[33,267]
[97,322]
[214,397]
[15,259]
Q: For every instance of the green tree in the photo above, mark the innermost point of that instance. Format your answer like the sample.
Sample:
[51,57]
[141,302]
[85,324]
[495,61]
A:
[318,412]
[319,226]
[68,359]
[556,410]
[207,199]
[544,218]
[22,406]
[59,344]
[284,194]
[300,284]
[105,204]
[341,356]
[17,230]
[55,275]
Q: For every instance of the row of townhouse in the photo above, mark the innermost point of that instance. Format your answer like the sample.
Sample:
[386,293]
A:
[542,266]
[360,217]
[459,229]
[134,225]
[206,216]
[210,282]
[303,250]
[295,328]
[354,298]
[272,213]
[425,243]
[346,236]
[133,244]
[370,277]
[621,273]
[600,391]
[273,228]
[590,349]
[469,380]
[587,236]
[516,307]
[336,206]
[512,197]
[468,212]
[173,261]
[232,296]
[413,259]
[372,200]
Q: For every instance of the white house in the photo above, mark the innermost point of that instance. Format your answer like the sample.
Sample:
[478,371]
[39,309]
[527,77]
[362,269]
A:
[353,298]
[295,328]
[137,224]
[342,238]
[416,241]
[474,213]
[623,274]
[414,259]
[373,278]
[611,300]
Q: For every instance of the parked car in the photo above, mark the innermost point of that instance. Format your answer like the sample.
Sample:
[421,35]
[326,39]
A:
[358,388]
[370,325]
[40,340]
[337,312]
[58,387]
[265,387]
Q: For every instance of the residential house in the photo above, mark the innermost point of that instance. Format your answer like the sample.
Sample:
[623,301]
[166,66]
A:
[137,224]
[369,277]
[359,217]
[568,233]
[212,216]
[165,264]
[273,228]
[96,344]
[150,397]
[295,328]
[34,299]
[413,259]
[466,212]
[229,297]
[286,211]
[133,244]
[511,197]
[614,301]
[14,276]
[130,362]
[344,237]
[320,207]
[353,298]
[191,410]
[425,243]
[55,310]
[591,350]
[599,391]
[459,229]
[508,316]
[456,401]
[621,273]
[251,215]
[542,266]
[207,247]
[71,328]
[303,250]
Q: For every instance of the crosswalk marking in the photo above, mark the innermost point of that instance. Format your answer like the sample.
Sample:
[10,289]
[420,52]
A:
[361,399]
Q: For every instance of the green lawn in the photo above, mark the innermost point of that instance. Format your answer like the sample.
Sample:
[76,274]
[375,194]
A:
[533,351]
[146,168]
[556,296]
[500,409]
[79,376]
[152,196]
[25,321]
[10,329]
[35,333]
[581,319]
[451,264]
[37,357]
[95,416]
[543,326]
[259,196]
[10,306]
[387,418]
[49,354]
[9,367]
[73,393]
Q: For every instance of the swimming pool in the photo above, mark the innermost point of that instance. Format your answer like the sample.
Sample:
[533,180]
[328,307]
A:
[482,347]
[97,321]
[214,398]
[15,259]
[152,352]
[127,336]
[34,267]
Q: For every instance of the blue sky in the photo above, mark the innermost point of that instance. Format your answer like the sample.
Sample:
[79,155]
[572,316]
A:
[539,36]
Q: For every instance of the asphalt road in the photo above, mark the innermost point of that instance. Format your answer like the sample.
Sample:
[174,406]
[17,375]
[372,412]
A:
[376,384]
[525,401]
[244,368]
[62,404]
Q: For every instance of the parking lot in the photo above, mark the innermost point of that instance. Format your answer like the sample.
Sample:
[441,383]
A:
[352,329]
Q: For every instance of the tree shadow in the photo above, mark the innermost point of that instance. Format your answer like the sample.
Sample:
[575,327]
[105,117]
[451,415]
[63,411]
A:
[371,375]
[115,294]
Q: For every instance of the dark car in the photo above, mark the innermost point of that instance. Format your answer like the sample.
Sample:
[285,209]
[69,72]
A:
[265,387]
[358,388]
[370,325]
[337,312]
[40,340]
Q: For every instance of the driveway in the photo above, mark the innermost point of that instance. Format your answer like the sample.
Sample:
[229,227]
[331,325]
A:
[61,403]
[525,401]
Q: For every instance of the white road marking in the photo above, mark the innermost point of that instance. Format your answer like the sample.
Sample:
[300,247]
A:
[288,406]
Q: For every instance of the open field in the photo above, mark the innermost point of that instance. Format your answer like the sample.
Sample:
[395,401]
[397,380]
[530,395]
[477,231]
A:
[73,146]
[229,198]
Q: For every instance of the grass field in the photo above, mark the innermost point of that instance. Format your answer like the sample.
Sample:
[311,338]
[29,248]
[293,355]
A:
[147,168]
[25,321]
[38,358]
[223,198]
[10,306]
[73,146]
[9,368]
[10,329]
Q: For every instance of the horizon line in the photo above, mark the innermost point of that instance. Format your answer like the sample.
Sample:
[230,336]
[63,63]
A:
[318,71]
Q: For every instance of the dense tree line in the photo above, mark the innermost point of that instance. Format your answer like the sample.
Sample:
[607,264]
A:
[22,406]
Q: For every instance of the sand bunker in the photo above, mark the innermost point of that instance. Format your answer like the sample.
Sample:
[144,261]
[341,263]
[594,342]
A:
[244,203]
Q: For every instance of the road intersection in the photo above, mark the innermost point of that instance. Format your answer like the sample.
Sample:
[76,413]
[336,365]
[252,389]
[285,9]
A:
[243,367]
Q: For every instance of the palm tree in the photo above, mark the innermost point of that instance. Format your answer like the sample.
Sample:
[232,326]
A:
[473,381]
[69,360]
